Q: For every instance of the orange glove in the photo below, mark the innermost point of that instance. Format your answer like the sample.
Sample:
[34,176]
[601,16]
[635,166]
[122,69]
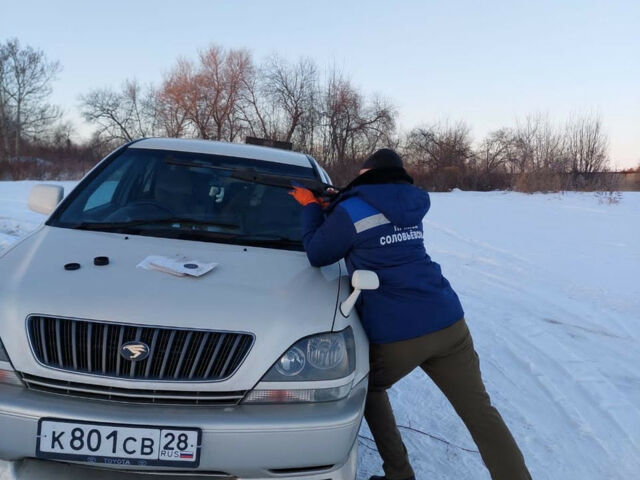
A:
[304,196]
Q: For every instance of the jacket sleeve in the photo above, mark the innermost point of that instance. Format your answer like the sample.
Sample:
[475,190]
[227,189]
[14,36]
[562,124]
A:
[326,240]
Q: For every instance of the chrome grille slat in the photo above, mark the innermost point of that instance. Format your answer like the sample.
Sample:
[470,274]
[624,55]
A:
[230,355]
[89,339]
[51,344]
[43,342]
[132,395]
[74,350]
[203,342]
[183,353]
[152,351]
[58,342]
[118,357]
[105,335]
[167,350]
[215,354]
[93,347]
[217,370]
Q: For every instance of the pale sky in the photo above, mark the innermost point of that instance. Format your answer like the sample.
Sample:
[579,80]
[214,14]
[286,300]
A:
[487,63]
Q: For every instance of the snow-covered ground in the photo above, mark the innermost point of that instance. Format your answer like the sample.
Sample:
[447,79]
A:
[15,217]
[551,290]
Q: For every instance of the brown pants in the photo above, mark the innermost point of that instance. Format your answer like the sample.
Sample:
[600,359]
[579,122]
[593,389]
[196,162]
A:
[449,358]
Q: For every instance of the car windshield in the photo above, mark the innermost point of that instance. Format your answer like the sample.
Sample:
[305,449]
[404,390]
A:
[190,196]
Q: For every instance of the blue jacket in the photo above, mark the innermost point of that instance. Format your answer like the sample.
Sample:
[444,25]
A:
[379,227]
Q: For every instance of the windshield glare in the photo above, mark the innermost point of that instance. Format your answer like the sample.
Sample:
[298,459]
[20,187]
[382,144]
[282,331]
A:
[186,195]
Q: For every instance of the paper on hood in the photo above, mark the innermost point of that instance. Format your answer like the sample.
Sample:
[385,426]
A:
[179,265]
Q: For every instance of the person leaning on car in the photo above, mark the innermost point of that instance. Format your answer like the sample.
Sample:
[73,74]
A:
[414,319]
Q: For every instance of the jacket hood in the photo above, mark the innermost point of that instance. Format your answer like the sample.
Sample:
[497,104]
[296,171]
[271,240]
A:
[402,203]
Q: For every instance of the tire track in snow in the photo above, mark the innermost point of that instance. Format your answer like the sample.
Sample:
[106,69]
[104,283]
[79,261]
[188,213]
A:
[571,395]
[566,384]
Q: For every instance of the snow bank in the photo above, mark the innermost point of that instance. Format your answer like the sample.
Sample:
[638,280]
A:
[551,292]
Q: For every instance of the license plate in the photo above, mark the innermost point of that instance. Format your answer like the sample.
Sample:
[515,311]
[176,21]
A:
[118,444]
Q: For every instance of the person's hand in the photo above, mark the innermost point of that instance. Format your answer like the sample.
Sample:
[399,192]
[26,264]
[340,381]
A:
[304,196]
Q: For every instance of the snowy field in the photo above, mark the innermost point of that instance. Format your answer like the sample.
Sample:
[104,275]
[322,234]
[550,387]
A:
[551,290]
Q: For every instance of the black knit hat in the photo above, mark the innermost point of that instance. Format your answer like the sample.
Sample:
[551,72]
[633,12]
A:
[383,158]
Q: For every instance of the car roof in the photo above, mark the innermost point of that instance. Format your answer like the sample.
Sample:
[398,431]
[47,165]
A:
[254,152]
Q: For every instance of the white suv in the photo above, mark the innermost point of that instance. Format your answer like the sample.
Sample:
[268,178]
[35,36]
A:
[249,371]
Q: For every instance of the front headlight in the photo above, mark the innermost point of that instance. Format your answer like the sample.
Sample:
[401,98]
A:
[327,356]
[324,357]
[7,373]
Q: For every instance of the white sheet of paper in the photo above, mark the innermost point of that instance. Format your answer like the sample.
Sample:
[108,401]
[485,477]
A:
[178,265]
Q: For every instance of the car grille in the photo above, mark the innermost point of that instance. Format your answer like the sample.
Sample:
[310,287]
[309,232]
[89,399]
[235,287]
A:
[159,397]
[174,354]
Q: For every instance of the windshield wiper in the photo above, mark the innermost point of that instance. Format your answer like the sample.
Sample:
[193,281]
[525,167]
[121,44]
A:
[267,239]
[257,240]
[152,221]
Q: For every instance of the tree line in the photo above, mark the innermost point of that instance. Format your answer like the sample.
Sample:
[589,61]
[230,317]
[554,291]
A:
[225,94]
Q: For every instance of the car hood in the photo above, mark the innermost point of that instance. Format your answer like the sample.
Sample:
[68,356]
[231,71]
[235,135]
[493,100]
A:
[274,294]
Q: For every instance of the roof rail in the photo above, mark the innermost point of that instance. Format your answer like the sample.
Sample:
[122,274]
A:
[265,142]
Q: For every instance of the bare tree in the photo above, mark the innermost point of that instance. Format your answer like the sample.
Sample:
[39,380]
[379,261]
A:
[281,102]
[219,83]
[203,99]
[25,87]
[439,154]
[258,114]
[123,115]
[440,145]
[538,145]
[353,128]
[488,163]
[539,154]
[291,88]
[6,124]
[494,151]
[174,102]
[587,144]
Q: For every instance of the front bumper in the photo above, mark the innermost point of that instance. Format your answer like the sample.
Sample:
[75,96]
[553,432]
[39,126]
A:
[245,441]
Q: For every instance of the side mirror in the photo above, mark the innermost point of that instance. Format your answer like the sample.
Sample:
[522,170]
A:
[361,280]
[45,198]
